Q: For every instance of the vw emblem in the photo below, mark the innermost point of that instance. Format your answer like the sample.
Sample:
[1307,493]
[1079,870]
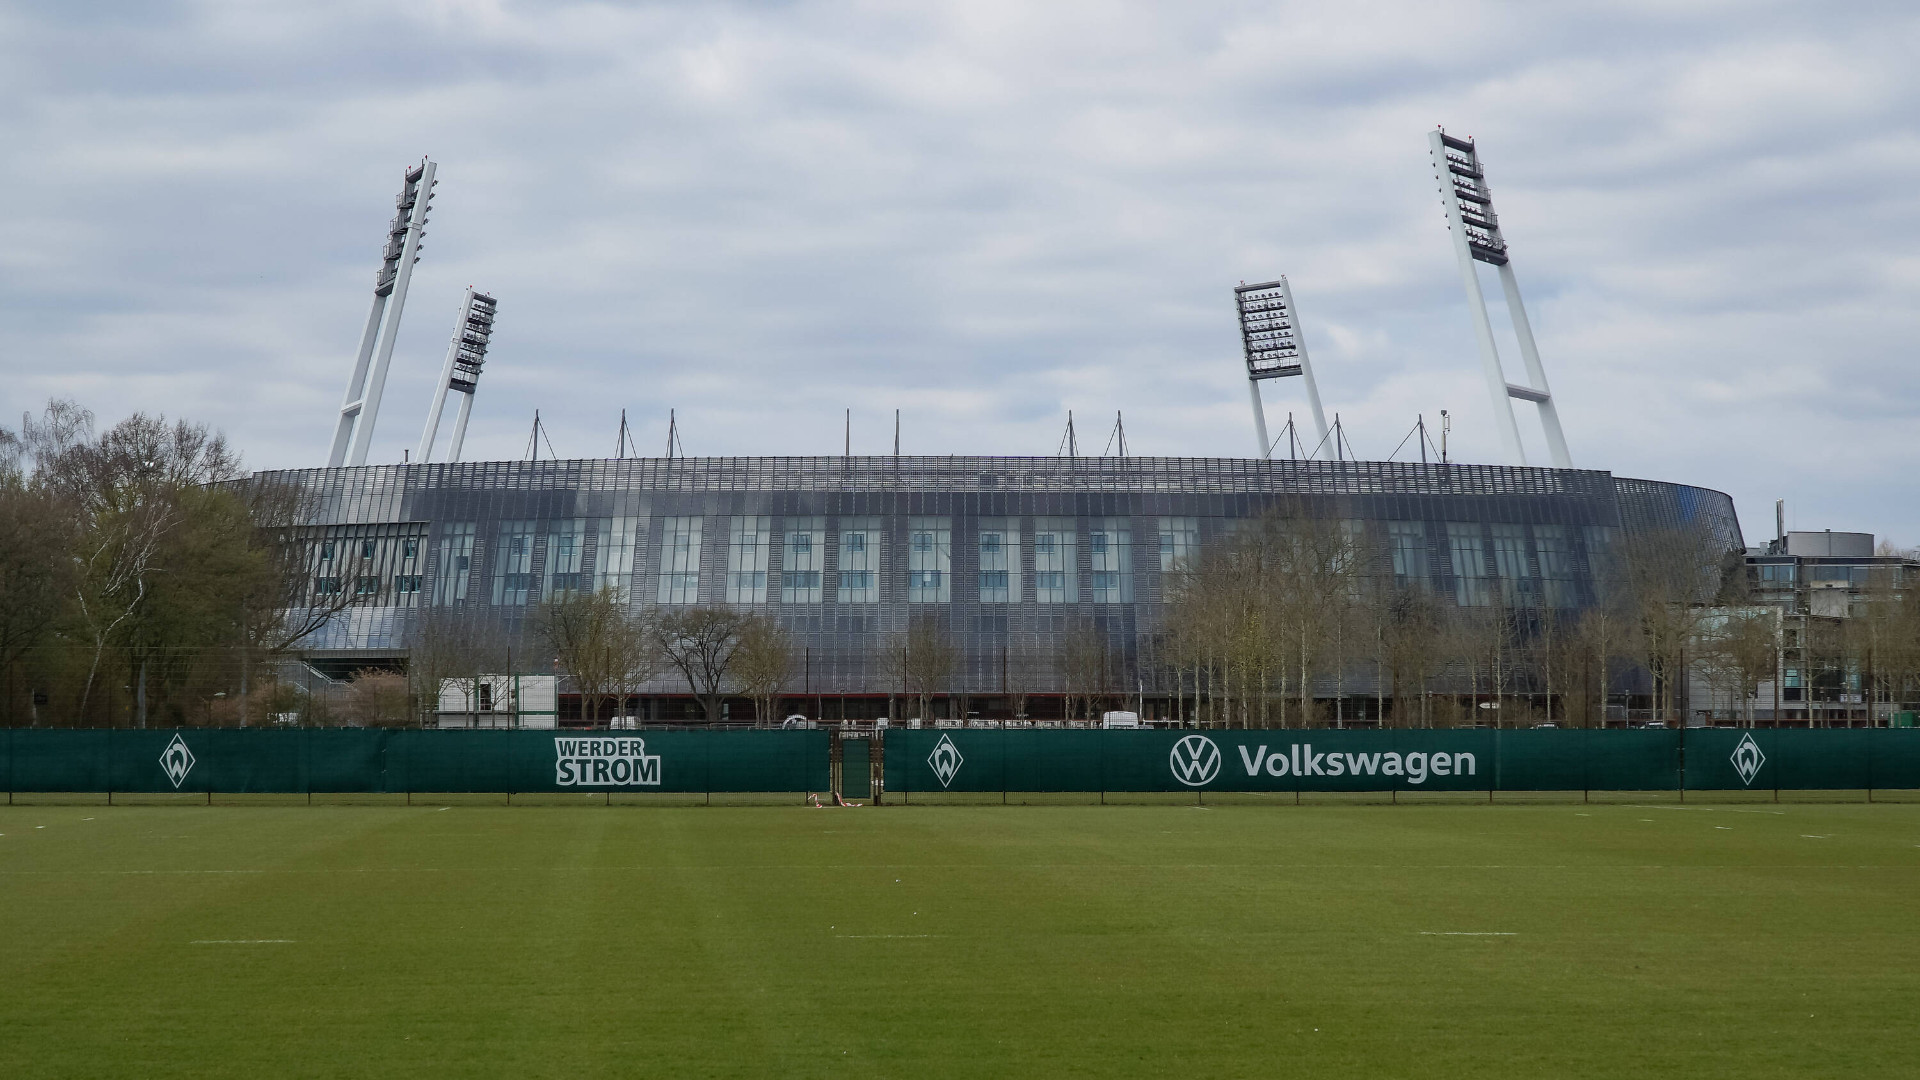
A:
[1195,760]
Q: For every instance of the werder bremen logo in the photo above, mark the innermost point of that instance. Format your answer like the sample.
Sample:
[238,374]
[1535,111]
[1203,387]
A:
[1195,760]
[176,760]
[945,760]
[1747,759]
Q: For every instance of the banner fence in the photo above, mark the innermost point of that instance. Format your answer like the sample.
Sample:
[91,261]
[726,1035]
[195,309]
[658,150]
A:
[923,762]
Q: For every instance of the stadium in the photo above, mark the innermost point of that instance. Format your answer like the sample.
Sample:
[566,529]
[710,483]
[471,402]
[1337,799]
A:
[1007,555]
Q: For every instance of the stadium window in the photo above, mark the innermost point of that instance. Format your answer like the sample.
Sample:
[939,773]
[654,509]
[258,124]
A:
[1054,569]
[513,566]
[613,555]
[456,560]
[929,560]
[999,561]
[802,560]
[566,545]
[1408,540]
[366,586]
[1179,542]
[326,550]
[409,548]
[859,561]
[749,546]
[1110,543]
[406,583]
[680,560]
[326,586]
[1469,564]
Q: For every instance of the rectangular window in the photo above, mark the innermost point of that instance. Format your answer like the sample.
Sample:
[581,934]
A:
[999,561]
[409,548]
[1469,564]
[326,586]
[859,561]
[366,586]
[406,583]
[680,560]
[613,556]
[1055,572]
[1510,563]
[326,550]
[803,558]
[929,560]
[1556,564]
[366,549]
[513,563]
[1409,543]
[456,563]
[566,549]
[1179,543]
[749,549]
[1110,545]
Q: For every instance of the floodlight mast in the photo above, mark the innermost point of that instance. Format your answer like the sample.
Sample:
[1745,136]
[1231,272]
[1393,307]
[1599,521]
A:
[466,355]
[1275,349]
[1477,238]
[361,408]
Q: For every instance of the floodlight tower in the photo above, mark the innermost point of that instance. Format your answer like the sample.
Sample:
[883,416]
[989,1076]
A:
[466,354]
[361,408]
[1275,349]
[1477,238]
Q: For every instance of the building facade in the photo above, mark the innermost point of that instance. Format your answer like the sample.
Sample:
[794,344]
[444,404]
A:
[1007,555]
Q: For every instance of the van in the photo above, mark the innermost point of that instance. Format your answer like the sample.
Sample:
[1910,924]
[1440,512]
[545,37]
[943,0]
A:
[1120,720]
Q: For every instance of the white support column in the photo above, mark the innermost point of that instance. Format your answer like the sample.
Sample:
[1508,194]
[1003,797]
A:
[1536,372]
[460,427]
[1306,365]
[356,384]
[1259,418]
[1477,305]
[377,378]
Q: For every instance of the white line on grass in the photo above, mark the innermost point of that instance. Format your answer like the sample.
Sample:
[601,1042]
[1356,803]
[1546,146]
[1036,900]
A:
[873,936]
[246,941]
[1468,933]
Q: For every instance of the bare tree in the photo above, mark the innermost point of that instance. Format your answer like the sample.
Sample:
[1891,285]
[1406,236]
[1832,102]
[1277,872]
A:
[763,665]
[1740,649]
[449,645]
[921,660]
[377,699]
[1671,576]
[602,644]
[1085,664]
[36,536]
[700,643]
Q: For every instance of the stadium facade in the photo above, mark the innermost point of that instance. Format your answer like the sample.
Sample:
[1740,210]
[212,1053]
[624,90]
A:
[1009,555]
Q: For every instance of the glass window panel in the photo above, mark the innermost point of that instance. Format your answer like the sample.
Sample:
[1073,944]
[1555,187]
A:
[1110,545]
[680,560]
[1469,564]
[929,560]
[859,561]
[1179,542]
[1409,542]
[803,560]
[513,563]
[613,558]
[1055,572]
[999,561]
[566,550]
[456,562]
[749,548]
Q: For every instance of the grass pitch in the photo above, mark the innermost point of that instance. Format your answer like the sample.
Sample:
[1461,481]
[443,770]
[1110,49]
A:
[1257,941]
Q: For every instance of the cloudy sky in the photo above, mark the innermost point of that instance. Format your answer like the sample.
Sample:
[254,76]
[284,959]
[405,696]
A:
[983,214]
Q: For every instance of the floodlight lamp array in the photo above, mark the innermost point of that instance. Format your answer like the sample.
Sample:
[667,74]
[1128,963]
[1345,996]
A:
[470,344]
[410,195]
[1461,173]
[1267,331]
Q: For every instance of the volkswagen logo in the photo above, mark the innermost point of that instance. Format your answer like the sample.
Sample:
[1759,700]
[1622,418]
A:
[1195,760]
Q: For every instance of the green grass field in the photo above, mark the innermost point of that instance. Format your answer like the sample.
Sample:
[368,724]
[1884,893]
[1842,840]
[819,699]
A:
[1259,941]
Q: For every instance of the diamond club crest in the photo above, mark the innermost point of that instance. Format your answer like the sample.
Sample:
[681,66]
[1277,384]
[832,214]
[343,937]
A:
[945,760]
[176,760]
[1747,759]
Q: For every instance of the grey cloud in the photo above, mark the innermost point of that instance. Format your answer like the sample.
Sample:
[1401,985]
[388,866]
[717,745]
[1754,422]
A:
[983,214]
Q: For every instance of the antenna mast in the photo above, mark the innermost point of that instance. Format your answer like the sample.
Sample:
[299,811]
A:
[1270,336]
[1477,238]
[361,407]
[466,354]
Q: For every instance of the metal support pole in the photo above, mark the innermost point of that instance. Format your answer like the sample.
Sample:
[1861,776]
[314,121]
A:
[1536,373]
[1259,418]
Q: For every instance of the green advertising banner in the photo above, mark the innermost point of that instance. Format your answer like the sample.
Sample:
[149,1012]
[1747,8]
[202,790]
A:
[349,760]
